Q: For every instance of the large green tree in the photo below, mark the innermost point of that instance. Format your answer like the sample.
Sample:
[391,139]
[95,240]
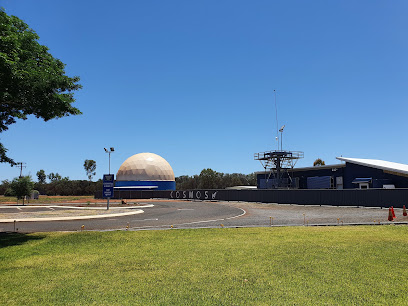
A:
[209,179]
[32,81]
[21,187]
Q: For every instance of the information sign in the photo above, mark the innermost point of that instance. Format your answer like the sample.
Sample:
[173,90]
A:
[108,183]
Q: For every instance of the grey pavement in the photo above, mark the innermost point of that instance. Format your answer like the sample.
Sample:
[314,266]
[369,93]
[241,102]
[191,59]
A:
[196,214]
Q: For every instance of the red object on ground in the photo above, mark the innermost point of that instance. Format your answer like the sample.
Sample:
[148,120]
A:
[404,211]
[393,213]
[390,217]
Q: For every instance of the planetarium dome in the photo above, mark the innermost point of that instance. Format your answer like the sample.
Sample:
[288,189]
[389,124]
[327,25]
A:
[145,171]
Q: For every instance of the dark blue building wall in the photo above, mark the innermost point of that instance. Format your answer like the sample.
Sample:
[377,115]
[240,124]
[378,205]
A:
[303,175]
[354,171]
[379,177]
[399,181]
[161,185]
[349,172]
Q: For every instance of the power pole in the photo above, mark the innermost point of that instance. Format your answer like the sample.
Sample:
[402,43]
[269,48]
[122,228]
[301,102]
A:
[21,165]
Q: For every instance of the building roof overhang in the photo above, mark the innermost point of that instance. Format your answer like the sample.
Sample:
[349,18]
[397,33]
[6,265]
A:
[378,164]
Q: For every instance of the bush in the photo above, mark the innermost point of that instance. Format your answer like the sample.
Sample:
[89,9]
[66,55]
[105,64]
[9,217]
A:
[9,193]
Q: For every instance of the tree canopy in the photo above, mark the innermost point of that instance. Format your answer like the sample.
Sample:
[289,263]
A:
[33,82]
[90,167]
[210,179]
[22,187]
[318,162]
[41,176]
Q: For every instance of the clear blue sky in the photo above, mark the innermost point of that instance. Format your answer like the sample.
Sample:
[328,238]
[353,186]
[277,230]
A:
[193,82]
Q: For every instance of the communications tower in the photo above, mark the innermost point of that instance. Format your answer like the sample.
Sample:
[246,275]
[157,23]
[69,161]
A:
[278,163]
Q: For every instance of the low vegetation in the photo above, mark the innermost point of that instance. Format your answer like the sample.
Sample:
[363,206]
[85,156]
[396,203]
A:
[252,266]
[49,200]
[61,186]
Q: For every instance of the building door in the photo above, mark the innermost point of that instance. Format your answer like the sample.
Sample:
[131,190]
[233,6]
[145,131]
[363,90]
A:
[339,182]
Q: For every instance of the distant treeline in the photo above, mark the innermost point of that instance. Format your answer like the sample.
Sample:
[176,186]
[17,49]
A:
[63,187]
[210,179]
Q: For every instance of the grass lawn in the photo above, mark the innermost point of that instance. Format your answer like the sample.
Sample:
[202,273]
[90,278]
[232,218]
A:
[251,266]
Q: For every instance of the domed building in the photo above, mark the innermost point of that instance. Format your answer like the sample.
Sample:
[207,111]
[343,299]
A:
[145,171]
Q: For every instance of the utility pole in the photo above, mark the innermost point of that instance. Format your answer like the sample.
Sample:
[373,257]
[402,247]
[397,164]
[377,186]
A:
[21,165]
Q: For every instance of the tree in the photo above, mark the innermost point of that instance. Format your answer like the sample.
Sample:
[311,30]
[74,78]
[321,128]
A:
[33,82]
[41,176]
[54,177]
[4,186]
[209,179]
[22,187]
[90,167]
[318,162]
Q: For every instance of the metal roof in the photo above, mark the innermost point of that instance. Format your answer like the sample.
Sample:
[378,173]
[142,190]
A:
[376,163]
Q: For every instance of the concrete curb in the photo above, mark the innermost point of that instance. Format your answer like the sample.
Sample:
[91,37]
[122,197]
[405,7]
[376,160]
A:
[139,211]
[76,207]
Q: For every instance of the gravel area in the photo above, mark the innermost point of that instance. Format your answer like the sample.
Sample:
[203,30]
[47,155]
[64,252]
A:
[262,214]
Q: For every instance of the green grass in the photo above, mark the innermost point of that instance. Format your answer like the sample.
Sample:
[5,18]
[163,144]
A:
[253,266]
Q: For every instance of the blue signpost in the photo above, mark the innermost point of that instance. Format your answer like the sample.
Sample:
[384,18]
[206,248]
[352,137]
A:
[108,184]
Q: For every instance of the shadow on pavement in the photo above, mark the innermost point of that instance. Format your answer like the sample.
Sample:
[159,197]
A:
[12,239]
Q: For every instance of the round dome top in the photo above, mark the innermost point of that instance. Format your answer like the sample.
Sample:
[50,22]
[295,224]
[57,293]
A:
[145,167]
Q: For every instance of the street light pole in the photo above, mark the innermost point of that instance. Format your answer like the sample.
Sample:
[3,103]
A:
[111,149]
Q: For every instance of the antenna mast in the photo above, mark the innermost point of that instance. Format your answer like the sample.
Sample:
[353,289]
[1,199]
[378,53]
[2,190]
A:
[276,116]
[278,162]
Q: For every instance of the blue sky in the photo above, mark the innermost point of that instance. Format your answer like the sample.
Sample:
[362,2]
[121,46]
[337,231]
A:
[193,82]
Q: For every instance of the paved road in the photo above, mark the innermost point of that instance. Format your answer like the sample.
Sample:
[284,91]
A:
[161,215]
[190,214]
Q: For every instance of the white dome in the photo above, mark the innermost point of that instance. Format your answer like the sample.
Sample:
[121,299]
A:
[145,167]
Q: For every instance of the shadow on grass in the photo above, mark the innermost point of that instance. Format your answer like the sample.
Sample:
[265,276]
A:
[11,239]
